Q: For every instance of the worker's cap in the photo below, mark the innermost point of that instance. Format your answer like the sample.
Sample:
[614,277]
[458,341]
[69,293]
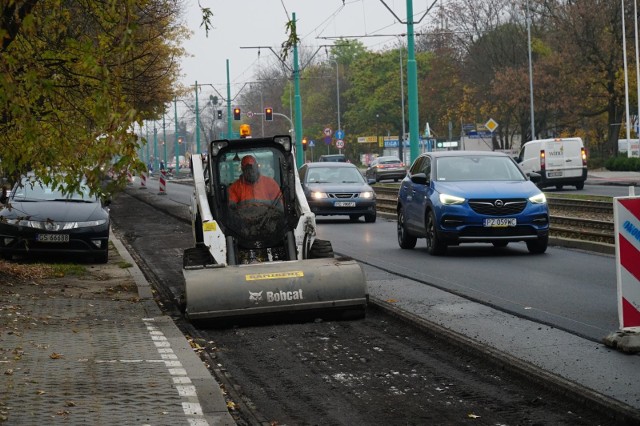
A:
[248,160]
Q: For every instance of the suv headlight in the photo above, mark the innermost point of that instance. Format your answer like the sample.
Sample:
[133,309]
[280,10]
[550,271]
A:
[366,194]
[448,200]
[538,198]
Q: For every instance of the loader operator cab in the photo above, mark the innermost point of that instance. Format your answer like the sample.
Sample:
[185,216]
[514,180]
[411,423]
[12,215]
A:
[253,185]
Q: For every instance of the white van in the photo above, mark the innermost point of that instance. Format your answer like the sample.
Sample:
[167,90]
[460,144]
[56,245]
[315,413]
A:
[559,161]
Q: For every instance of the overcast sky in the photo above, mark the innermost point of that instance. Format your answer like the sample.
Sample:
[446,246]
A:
[247,23]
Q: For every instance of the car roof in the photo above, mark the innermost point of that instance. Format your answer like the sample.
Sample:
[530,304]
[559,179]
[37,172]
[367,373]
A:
[324,164]
[436,154]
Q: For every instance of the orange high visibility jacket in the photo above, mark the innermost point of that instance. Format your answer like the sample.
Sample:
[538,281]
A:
[265,190]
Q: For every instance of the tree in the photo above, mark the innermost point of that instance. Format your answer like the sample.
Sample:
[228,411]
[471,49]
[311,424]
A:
[75,75]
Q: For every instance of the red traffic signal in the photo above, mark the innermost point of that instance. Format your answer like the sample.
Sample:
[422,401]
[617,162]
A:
[268,114]
[236,113]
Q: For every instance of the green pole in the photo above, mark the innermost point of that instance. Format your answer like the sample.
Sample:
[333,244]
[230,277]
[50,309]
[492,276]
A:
[156,166]
[175,111]
[297,100]
[146,125]
[229,128]
[412,81]
[197,122]
[164,140]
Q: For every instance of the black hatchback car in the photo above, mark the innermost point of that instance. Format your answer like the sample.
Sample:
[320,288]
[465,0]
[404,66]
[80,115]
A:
[40,219]
[334,188]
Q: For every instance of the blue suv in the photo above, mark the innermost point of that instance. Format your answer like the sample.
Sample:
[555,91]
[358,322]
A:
[454,197]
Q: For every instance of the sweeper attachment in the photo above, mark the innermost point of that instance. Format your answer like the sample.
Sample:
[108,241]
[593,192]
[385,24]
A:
[256,251]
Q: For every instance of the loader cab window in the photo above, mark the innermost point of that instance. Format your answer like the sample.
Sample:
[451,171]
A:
[251,195]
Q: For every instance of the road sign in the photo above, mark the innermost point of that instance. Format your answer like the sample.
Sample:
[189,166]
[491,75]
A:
[339,134]
[312,144]
[339,144]
[250,114]
[492,125]
[327,140]
[367,139]
[327,131]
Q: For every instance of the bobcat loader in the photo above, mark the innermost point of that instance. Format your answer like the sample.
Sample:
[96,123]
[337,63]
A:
[264,258]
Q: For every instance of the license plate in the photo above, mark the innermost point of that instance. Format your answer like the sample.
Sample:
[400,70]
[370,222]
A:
[554,174]
[53,238]
[345,204]
[500,222]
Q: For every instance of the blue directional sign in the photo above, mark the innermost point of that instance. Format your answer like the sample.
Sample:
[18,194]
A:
[339,134]
[312,144]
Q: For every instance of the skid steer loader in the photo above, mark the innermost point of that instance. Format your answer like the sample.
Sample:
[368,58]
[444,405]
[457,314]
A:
[261,257]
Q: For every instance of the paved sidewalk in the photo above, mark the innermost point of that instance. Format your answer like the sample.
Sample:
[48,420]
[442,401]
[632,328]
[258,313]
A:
[96,350]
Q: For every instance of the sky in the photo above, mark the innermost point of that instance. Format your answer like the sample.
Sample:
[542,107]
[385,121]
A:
[251,23]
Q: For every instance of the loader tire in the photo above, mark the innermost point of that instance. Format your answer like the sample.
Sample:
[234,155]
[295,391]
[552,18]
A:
[321,249]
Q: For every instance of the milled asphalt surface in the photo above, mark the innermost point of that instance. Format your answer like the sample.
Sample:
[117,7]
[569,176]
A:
[124,362]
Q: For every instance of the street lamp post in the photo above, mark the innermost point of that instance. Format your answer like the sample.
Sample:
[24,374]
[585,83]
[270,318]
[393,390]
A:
[533,126]
[338,94]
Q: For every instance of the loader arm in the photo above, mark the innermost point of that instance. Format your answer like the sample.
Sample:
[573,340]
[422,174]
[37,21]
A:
[213,237]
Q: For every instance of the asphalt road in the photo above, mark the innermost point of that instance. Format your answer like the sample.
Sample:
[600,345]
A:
[374,371]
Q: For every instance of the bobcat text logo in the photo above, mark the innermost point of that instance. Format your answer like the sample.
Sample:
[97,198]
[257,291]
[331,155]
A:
[255,297]
[276,296]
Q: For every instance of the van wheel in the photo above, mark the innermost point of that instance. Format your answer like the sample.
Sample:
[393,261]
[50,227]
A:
[405,240]
[435,246]
[580,186]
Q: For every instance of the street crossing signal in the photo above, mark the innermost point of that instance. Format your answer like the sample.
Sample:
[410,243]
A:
[236,113]
[219,114]
[304,144]
[268,114]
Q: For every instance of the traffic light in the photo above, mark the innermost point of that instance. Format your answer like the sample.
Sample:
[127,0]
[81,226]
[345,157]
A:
[304,144]
[236,113]
[219,114]
[268,114]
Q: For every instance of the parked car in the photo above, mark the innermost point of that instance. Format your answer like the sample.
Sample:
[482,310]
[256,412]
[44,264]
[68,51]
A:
[336,188]
[454,197]
[40,219]
[383,168]
[341,158]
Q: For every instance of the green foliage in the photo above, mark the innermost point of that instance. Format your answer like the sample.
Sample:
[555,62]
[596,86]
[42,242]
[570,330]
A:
[75,76]
[623,163]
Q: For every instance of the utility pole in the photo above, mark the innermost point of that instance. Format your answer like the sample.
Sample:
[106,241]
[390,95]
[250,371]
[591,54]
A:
[197,122]
[175,111]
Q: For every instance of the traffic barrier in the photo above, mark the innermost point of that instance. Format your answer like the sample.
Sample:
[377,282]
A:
[163,183]
[129,178]
[143,180]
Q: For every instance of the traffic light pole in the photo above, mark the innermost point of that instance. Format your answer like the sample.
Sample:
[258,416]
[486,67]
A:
[297,99]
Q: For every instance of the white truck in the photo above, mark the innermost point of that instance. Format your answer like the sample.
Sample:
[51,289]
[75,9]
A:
[559,161]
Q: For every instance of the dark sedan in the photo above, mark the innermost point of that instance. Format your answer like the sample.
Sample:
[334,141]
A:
[386,167]
[333,188]
[40,219]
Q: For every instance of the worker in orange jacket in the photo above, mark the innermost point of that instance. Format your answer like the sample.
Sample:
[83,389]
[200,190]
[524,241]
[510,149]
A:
[252,188]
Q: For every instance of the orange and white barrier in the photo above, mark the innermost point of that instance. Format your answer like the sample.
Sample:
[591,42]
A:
[129,178]
[143,180]
[163,182]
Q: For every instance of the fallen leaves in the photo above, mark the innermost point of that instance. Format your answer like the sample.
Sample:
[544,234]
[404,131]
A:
[55,355]
[25,271]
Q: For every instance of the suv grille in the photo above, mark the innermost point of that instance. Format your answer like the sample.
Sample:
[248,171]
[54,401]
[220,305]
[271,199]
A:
[498,206]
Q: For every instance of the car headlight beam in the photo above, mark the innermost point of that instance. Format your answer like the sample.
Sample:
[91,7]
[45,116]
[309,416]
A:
[366,194]
[448,200]
[317,195]
[538,198]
